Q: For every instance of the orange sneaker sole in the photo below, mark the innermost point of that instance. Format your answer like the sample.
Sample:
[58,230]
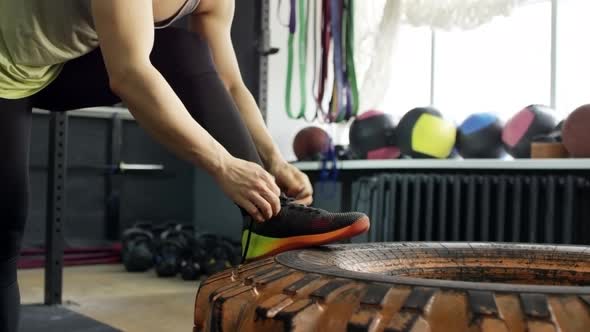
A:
[304,241]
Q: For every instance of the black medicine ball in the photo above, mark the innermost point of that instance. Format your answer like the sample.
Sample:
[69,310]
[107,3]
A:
[372,136]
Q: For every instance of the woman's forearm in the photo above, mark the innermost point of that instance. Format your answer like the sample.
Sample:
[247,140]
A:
[267,149]
[158,110]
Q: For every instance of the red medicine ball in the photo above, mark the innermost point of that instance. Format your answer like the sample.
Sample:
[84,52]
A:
[311,143]
[576,132]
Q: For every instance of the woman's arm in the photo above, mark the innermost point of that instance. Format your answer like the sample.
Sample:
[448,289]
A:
[126,34]
[212,21]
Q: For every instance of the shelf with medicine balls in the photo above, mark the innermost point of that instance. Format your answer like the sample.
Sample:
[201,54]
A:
[536,131]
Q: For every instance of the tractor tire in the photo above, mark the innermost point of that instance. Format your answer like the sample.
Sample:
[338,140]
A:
[403,287]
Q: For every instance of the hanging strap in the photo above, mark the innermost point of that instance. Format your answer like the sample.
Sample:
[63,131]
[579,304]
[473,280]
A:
[328,179]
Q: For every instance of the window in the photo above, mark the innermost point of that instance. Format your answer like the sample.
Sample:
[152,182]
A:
[411,76]
[499,67]
[573,55]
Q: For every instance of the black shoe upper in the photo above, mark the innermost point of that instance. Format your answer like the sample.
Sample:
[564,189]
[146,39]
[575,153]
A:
[296,219]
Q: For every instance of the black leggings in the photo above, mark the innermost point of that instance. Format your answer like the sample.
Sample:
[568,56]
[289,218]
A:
[181,57]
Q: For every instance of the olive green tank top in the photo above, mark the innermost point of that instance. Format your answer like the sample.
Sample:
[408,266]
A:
[38,36]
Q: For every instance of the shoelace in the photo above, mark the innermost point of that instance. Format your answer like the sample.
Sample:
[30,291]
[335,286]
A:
[289,203]
[245,253]
[286,202]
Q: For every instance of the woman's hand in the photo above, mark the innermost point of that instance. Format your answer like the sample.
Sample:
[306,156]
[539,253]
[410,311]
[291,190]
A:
[251,187]
[292,181]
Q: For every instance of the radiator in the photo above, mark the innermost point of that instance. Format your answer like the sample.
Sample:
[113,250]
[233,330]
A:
[471,207]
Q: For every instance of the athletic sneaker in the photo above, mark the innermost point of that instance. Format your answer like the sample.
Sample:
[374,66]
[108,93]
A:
[298,226]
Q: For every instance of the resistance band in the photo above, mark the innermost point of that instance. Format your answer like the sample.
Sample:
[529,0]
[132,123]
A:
[350,68]
[337,107]
[302,55]
[337,31]
[315,64]
[344,102]
[326,36]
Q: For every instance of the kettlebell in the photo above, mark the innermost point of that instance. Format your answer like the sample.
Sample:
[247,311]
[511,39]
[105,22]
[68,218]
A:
[173,244]
[137,249]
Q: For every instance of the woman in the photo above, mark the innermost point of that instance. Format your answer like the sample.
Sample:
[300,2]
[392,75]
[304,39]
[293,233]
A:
[184,88]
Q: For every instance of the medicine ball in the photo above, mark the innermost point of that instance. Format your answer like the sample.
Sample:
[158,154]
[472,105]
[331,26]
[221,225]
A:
[576,132]
[137,248]
[372,136]
[480,136]
[524,126]
[311,143]
[424,133]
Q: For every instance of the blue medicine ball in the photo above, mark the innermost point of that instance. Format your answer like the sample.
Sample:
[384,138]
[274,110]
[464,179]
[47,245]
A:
[480,136]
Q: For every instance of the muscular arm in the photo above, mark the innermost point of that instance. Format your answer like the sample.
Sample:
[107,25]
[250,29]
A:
[126,34]
[213,22]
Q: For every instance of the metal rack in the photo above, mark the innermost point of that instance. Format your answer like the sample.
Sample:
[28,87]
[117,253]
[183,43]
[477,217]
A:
[56,203]
[56,187]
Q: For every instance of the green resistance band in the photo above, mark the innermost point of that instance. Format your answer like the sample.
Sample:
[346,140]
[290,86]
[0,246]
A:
[302,57]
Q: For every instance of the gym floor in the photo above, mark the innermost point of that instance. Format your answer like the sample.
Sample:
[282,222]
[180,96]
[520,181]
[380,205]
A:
[131,302]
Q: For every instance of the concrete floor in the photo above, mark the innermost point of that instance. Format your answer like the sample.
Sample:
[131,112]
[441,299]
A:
[132,302]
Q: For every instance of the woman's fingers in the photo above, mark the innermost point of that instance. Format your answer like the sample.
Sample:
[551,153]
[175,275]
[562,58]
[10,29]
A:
[251,209]
[262,204]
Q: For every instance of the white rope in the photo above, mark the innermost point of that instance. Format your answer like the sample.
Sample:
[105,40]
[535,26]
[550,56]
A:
[455,14]
[377,27]
[376,37]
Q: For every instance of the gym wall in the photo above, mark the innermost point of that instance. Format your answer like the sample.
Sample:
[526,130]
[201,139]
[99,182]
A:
[94,212]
